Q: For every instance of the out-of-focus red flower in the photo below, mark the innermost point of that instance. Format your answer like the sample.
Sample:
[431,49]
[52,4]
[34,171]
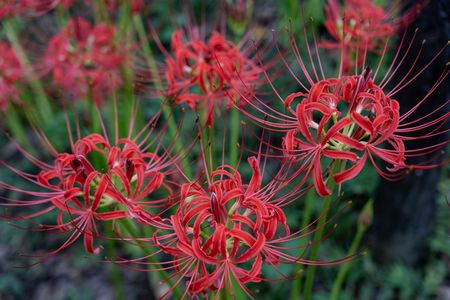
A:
[207,74]
[360,25]
[10,74]
[35,8]
[29,7]
[357,23]
[84,60]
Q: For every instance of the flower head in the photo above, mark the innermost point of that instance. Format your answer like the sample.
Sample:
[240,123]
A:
[10,74]
[360,25]
[84,60]
[205,74]
[352,119]
[97,181]
[29,7]
[226,231]
[345,119]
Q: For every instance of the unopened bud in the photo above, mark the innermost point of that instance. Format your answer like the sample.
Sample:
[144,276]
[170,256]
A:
[239,13]
[366,216]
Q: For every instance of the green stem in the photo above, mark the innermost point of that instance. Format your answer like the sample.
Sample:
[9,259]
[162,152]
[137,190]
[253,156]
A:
[223,294]
[126,110]
[310,272]
[96,158]
[102,12]
[234,136]
[307,214]
[166,107]
[17,130]
[63,15]
[365,219]
[344,268]
[91,110]
[177,293]
[207,140]
[42,102]
[115,272]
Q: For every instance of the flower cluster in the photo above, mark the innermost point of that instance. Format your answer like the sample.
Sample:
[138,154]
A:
[84,196]
[206,74]
[351,119]
[224,232]
[346,119]
[11,73]
[205,218]
[358,26]
[29,7]
[84,60]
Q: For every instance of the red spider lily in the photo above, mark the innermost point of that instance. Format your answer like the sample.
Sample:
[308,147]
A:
[10,74]
[227,231]
[349,134]
[84,192]
[39,7]
[201,73]
[216,231]
[29,7]
[84,60]
[360,24]
[352,119]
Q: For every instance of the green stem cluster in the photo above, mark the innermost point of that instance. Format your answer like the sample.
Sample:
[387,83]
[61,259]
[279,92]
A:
[310,271]
[166,106]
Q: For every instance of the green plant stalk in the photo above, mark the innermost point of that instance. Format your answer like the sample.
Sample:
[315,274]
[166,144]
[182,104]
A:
[307,214]
[127,106]
[102,12]
[62,14]
[115,273]
[238,292]
[91,110]
[207,140]
[310,271]
[223,294]
[166,108]
[17,130]
[94,127]
[42,102]
[234,136]
[344,268]
[238,30]
[177,293]
[125,37]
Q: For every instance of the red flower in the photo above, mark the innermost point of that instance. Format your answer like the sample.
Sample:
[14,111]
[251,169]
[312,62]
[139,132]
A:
[10,74]
[29,7]
[351,119]
[360,25]
[228,230]
[344,119]
[206,74]
[84,61]
[85,194]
